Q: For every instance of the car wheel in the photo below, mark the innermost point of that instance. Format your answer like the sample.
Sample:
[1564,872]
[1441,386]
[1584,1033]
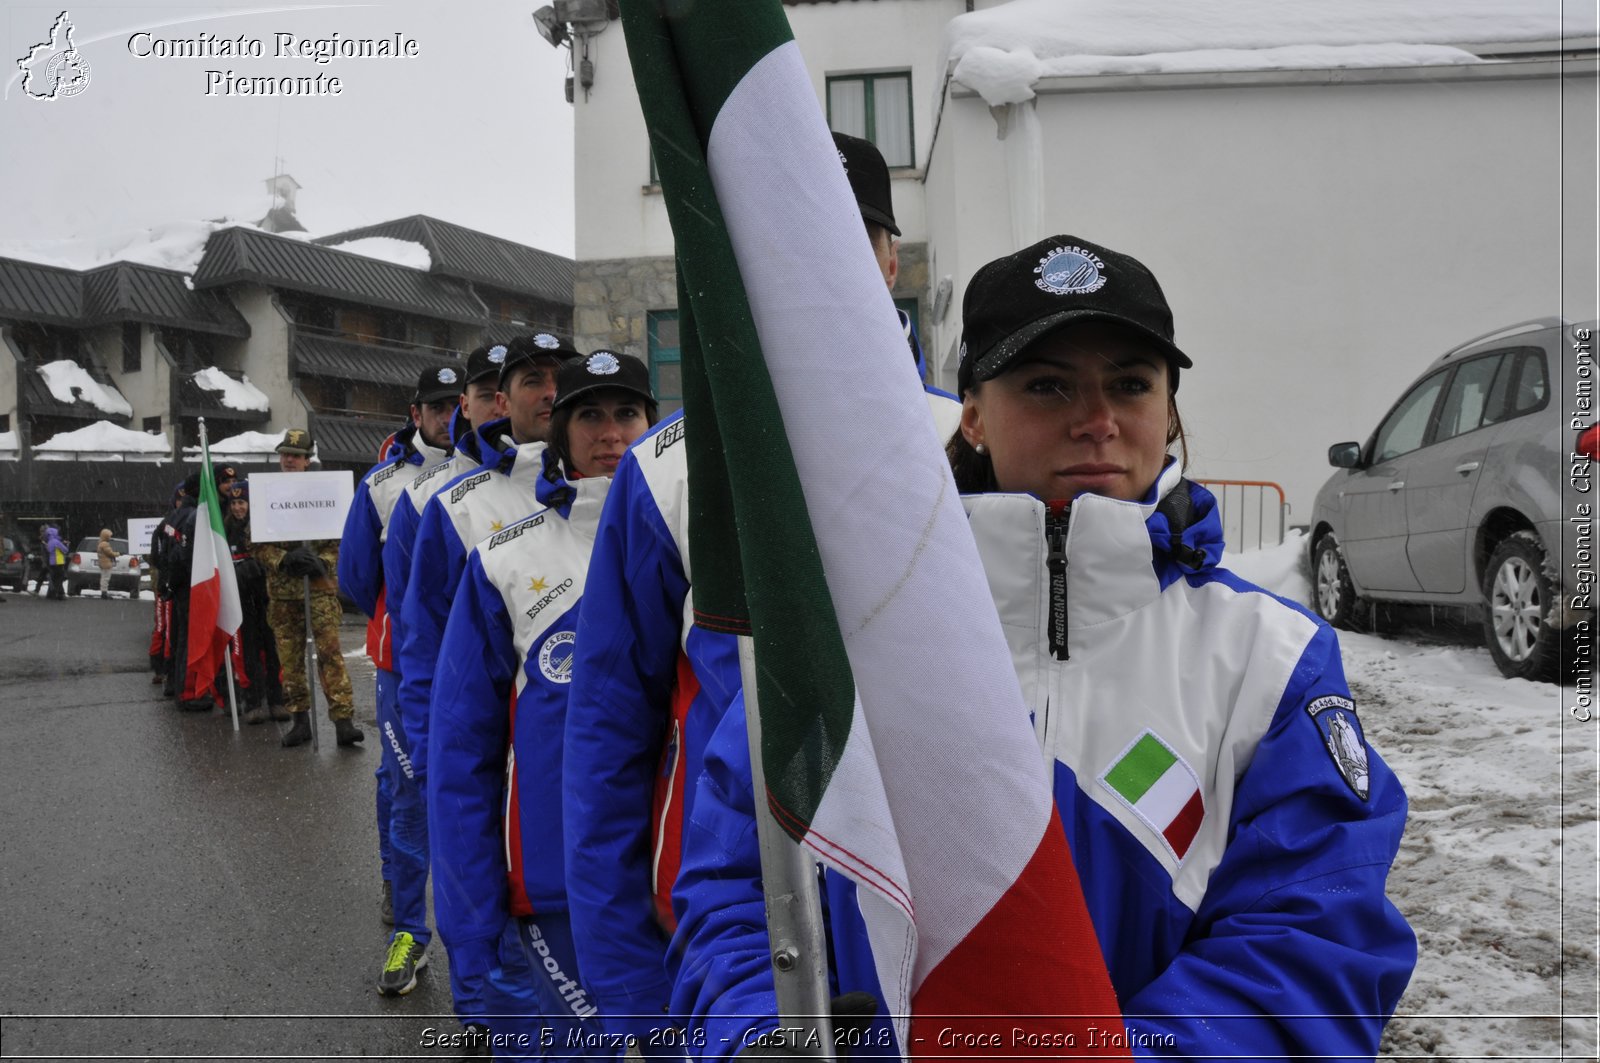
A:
[1334,595]
[1517,600]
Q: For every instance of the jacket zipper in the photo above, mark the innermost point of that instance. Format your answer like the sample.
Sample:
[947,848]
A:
[1055,534]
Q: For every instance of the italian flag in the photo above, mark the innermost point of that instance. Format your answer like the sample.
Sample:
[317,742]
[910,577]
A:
[896,745]
[214,611]
[1161,789]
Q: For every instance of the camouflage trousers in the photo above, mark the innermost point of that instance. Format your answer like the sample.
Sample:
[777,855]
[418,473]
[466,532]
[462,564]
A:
[288,620]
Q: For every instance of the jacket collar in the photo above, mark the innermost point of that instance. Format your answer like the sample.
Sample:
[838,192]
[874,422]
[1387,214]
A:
[1119,553]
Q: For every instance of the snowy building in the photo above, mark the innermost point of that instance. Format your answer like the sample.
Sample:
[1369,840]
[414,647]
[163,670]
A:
[254,332]
[1331,193]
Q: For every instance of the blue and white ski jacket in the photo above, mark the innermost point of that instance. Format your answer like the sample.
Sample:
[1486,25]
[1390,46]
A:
[499,708]
[649,686]
[465,510]
[1253,924]
[467,454]
[366,527]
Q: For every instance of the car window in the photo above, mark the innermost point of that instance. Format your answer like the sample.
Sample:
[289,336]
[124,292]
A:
[1407,426]
[1533,386]
[1467,399]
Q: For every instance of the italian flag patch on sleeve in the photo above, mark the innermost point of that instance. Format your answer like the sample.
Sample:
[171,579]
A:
[1160,788]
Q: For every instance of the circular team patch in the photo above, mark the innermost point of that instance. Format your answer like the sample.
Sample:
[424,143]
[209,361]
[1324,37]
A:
[497,353]
[602,363]
[1070,271]
[546,341]
[447,375]
[555,656]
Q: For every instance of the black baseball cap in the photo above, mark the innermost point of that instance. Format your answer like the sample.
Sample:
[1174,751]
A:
[443,381]
[541,346]
[1016,300]
[869,179]
[602,369]
[485,361]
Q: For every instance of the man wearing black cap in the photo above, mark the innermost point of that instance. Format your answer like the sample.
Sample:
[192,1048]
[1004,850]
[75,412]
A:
[421,445]
[452,516]
[622,845]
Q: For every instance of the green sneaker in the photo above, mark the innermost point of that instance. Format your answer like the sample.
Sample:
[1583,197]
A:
[405,959]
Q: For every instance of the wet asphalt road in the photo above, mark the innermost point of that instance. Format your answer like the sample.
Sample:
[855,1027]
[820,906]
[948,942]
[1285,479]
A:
[169,888]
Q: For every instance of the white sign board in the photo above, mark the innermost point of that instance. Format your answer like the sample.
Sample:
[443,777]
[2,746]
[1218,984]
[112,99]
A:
[292,506]
[140,531]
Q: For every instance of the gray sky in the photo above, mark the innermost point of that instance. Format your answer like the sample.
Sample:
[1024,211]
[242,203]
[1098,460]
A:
[474,129]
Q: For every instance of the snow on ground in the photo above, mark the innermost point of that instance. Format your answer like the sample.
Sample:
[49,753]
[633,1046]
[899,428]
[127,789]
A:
[104,438]
[1497,870]
[1001,51]
[236,394]
[70,382]
[388,249]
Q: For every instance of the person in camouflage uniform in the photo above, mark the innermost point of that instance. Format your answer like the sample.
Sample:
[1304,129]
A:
[287,566]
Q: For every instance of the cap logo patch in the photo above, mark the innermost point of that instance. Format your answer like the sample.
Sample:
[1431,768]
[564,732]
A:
[962,357]
[447,375]
[546,341]
[602,363]
[1070,271]
[497,353]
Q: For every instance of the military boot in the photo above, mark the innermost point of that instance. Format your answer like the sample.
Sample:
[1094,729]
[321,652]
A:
[346,731]
[299,732]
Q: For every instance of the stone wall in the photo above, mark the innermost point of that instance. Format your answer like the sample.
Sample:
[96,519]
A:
[612,297]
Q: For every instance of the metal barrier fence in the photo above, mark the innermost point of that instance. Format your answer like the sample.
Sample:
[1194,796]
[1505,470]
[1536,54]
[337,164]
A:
[1245,525]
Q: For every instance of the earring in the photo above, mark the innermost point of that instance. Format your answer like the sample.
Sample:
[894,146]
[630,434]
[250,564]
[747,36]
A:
[980,448]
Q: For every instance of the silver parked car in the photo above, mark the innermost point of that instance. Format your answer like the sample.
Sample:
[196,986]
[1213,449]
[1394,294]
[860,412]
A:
[83,568]
[1456,500]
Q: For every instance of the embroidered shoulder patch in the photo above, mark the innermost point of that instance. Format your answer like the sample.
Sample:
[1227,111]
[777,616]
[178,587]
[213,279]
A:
[1160,788]
[1336,719]
[515,530]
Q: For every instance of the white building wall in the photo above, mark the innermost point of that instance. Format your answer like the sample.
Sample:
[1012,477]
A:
[264,357]
[1319,244]
[618,216]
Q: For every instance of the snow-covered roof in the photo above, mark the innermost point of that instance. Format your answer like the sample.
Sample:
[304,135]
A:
[388,249]
[175,245]
[69,382]
[236,394]
[10,446]
[1001,52]
[106,441]
[246,446]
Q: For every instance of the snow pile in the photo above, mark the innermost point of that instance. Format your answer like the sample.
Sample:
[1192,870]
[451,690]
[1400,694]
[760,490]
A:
[1496,873]
[1280,569]
[69,382]
[174,245]
[259,445]
[388,249]
[1001,51]
[10,446]
[236,394]
[105,438]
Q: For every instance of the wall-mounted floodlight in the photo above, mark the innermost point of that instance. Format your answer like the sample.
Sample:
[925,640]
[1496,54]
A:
[551,28]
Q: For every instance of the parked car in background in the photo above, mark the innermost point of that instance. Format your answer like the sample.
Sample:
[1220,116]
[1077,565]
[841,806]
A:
[1456,500]
[13,563]
[83,568]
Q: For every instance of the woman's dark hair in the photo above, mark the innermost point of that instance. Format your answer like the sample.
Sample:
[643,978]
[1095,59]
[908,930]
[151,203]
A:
[974,472]
[556,435]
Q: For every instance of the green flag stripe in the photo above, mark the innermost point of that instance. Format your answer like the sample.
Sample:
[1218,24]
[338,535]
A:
[1136,772]
[806,691]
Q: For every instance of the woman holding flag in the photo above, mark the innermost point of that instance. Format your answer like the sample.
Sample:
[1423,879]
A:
[1230,828]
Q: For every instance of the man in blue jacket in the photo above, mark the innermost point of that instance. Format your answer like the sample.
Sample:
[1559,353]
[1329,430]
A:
[500,490]
[419,446]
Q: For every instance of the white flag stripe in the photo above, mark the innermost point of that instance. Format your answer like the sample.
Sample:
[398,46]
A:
[211,554]
[1168,794]
[907,583]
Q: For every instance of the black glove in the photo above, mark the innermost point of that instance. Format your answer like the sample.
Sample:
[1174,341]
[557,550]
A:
[302,561]
[852,1016]
[248,572]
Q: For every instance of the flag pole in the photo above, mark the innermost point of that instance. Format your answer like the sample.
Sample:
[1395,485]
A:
[311,664]
[227,656]
[794,905]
